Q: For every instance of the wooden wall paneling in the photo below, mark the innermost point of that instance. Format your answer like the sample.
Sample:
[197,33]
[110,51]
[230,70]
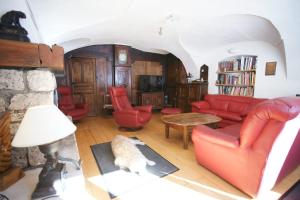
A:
[137,55]
[143,68]
[103,54]
[138,68]
[101,78]
[154,68]
[123,78]
[83,82]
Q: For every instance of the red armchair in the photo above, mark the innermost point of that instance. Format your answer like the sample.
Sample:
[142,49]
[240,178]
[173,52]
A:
[124,114]
[257,154]
[67,105]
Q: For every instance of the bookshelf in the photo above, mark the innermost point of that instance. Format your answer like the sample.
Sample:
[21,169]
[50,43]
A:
[236,75]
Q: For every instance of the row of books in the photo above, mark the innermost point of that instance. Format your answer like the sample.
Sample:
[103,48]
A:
[237,91]
[238,64]
[247,78]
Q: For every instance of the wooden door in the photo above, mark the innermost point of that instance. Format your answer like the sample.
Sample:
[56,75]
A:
[83,82]
[123,78]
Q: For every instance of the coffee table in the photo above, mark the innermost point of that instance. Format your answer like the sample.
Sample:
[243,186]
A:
[185,121]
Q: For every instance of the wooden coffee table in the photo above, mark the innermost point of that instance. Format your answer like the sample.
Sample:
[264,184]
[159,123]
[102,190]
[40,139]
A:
[185,121]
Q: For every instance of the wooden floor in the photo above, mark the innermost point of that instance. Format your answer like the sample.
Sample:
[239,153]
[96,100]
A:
[191,179]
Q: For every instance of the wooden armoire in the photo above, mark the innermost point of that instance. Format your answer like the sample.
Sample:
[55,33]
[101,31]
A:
[180,92]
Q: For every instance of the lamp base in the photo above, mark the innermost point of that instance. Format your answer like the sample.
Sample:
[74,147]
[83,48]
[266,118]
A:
[51,183]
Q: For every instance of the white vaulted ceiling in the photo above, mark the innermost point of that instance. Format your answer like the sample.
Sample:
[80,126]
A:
[188,29]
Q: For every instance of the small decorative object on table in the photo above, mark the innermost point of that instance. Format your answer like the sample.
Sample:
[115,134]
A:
[37,130]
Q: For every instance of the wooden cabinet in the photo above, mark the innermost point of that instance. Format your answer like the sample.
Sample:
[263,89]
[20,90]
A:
[156,99]
[236,76]
[122,68]
[175,74]
[188,93]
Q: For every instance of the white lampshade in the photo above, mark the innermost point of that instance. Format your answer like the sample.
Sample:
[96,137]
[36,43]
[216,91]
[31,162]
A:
[42,125]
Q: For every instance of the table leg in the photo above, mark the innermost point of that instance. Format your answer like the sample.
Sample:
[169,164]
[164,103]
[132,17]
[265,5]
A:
[185,137]
[167,130]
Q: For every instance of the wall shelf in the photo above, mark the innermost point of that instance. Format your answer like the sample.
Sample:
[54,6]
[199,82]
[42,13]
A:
[230,85]
[238,71]
[236,75]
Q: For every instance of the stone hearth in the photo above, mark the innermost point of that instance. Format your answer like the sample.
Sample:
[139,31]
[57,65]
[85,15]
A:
[19,89]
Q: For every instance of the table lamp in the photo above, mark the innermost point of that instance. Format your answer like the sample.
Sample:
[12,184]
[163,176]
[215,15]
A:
[44,126]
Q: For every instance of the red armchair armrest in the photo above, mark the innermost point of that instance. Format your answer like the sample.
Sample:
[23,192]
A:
[127,112]
[147,108]
[200,105]
[202,132]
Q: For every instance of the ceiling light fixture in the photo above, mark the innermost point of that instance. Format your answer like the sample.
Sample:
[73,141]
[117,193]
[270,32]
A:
[160,31]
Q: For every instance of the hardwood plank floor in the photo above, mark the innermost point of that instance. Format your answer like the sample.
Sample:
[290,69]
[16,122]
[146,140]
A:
[191,179]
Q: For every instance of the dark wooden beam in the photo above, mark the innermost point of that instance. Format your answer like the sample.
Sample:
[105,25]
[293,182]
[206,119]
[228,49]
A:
[30,55]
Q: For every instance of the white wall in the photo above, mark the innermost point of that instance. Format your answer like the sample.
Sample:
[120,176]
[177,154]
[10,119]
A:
[265,86]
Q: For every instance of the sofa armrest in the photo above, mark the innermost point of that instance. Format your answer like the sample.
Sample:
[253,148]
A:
[147,108]
[200,105]
[214,136]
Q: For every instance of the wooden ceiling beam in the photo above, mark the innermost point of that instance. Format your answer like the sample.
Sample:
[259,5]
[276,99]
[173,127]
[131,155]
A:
[30,55]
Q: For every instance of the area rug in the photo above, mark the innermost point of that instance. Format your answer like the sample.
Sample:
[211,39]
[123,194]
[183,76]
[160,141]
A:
[119,181]
[293,193]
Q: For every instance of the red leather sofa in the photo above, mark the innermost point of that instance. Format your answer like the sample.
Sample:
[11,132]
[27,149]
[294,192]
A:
[232,109]
[67,105]
[254,155]
[124,114]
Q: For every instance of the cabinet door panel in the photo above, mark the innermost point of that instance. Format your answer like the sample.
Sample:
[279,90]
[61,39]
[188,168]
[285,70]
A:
[123,77]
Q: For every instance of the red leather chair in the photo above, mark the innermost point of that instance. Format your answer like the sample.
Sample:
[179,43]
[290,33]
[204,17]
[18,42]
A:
[257,154]
[124,114]
[67,105]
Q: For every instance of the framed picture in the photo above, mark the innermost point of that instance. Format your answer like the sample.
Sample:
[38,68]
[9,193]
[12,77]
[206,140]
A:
[270,68]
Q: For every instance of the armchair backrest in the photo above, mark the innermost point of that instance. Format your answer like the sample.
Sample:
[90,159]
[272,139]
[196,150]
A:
[65,97]
[119,98]
[266,121]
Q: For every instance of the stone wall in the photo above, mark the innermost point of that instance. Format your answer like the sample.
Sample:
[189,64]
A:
[19,90]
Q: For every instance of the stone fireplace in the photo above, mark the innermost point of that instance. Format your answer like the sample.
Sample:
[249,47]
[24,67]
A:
[21,88]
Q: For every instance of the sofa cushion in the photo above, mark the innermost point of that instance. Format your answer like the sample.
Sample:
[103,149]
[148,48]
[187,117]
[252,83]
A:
[229,115]
[238,107]
[218,102]
[233,130]
[223,114]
